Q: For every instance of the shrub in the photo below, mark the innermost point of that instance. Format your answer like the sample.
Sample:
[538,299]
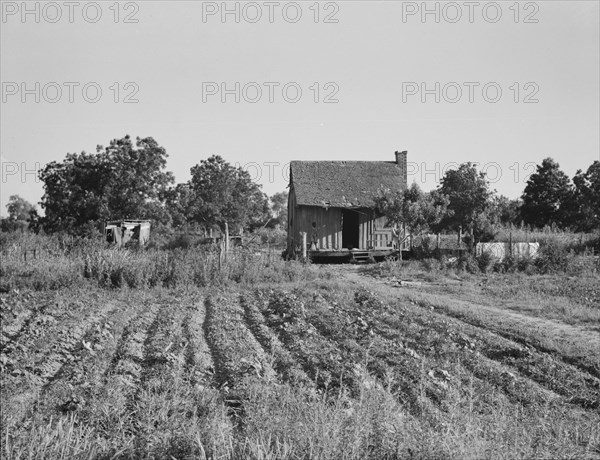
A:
[181,241]
[553,257]
[468,263]
[485,261]
[425,251]
[527,265]
[431,265]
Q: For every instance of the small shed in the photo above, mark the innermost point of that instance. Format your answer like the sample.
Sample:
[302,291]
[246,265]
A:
[120,232]
[333,203]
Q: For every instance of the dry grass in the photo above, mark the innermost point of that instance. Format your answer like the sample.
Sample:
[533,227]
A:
[271,359]
[60,264]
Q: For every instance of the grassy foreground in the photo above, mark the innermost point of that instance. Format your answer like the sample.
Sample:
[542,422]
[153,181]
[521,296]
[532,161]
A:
[176,358]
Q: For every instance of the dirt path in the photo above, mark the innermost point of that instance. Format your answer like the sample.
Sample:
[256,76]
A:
[572,344]
[546,327]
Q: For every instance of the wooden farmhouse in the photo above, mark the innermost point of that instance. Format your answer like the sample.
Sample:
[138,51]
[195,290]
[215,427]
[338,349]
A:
[331,207]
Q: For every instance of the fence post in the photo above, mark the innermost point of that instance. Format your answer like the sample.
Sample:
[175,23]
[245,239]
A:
[471,241]
[510,250]
[220,255]
[226,240]
[304,252]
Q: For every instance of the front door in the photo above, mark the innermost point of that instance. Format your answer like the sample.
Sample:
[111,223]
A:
[350,227]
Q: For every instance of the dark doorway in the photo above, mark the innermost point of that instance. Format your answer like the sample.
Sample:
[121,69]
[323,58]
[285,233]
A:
[349,229]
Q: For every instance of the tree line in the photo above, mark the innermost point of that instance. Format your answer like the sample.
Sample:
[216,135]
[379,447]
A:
[464,200]
[128,179]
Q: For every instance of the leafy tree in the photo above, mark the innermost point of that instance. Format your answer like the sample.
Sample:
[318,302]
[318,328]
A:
[505,211]
[139,182]
[587,197]
[468,194]
[35,221]
[419,211]
[501,211]
[412,207]
[18,208]
[222,193]
[548,196]
[179,201]
[279,203]
[260,214]
[20,214]
[120,181]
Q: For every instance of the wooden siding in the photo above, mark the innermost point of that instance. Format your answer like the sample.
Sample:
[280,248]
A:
[291,230]
[326,234]
[327,231]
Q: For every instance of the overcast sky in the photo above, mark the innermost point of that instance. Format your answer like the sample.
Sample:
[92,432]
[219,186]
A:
[345,80]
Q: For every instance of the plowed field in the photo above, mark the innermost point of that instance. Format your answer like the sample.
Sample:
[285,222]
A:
[351,368]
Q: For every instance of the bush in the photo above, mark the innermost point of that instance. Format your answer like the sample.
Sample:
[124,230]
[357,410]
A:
[272,236]
[426,250]
[468,263]
[485,262]
[181,241]
[553,257]
[432,265]
[527,265]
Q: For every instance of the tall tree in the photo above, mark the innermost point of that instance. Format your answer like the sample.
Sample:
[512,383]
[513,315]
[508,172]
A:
[419,211]
[502,211]
[468,196]
[279,202]
[222,193]
[120,181]
[19,208]
[548,196]
[587,197]
[20,215]
[179,201]
[506,211]
[139,183]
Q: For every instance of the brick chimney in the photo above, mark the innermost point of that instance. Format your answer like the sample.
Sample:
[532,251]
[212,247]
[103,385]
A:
[401,162]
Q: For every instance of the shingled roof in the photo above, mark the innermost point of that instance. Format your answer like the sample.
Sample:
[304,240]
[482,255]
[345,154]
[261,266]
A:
[343,184]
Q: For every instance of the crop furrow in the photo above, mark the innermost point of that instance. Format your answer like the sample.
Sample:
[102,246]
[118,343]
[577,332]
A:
[199,363]
[321,359]
[541,368]
[131,345]
[578,363]
[20,327]
[37,362]
[283,362]
[439,341]
[121,379]
[157,403]
[238,357]
[363,341]
[12,331]
[75,385]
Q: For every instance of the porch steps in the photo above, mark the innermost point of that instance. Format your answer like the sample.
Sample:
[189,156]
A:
[360,256]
